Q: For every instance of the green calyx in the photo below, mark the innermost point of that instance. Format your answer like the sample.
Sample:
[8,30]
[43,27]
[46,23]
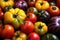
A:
[40,26]
[7,8]
[33,9]
[41,13]
[17,35]
[15,15]
[41,3]
[52,3]
[54,8]
[17,22]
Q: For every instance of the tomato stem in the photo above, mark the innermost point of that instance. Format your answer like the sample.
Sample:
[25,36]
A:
[5,0]
[17,35]
[15,15]
[40,27]
[28,16]
[54,8]
[41,3]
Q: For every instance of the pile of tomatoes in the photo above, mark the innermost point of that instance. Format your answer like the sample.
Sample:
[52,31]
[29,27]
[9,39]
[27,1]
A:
[29,19]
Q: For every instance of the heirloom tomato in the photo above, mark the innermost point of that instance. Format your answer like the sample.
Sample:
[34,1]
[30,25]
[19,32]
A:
[27,27]
[19,36]
[4,3]
[42,5]
[14,17]
[8,31]
[53,10]
[41,28]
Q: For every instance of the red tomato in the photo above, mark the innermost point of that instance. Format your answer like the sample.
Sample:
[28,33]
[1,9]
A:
[31,17]
[1,13]
[59,11]
[33,36]
[58,3]
[53,10]
[0,9]
[1,29]
[31,2]
[8,32]
[27,27]
[7,39]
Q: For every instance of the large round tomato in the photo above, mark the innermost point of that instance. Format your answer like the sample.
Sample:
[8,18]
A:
[8,31]
[31,17]
[27,27]
[53,10]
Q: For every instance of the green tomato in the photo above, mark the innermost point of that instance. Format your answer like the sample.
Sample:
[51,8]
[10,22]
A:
[32,9]
[50,37]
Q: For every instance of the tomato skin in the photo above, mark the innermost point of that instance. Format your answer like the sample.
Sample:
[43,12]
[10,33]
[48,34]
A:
[32,9]
[1,13]
[0,9]
[53,10]
[0,31]
[43,16]
[31,3]
[31,17]
[27,27]
[33,36]
[7,39]
[52,3]
[59,11]
[8,31]
[58,3]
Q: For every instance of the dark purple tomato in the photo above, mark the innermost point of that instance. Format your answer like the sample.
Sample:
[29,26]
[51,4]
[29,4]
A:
[54,26]
[21,4]
[43,16]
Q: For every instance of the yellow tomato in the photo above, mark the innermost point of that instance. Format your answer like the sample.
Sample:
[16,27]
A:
[42,5]
[4,3]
